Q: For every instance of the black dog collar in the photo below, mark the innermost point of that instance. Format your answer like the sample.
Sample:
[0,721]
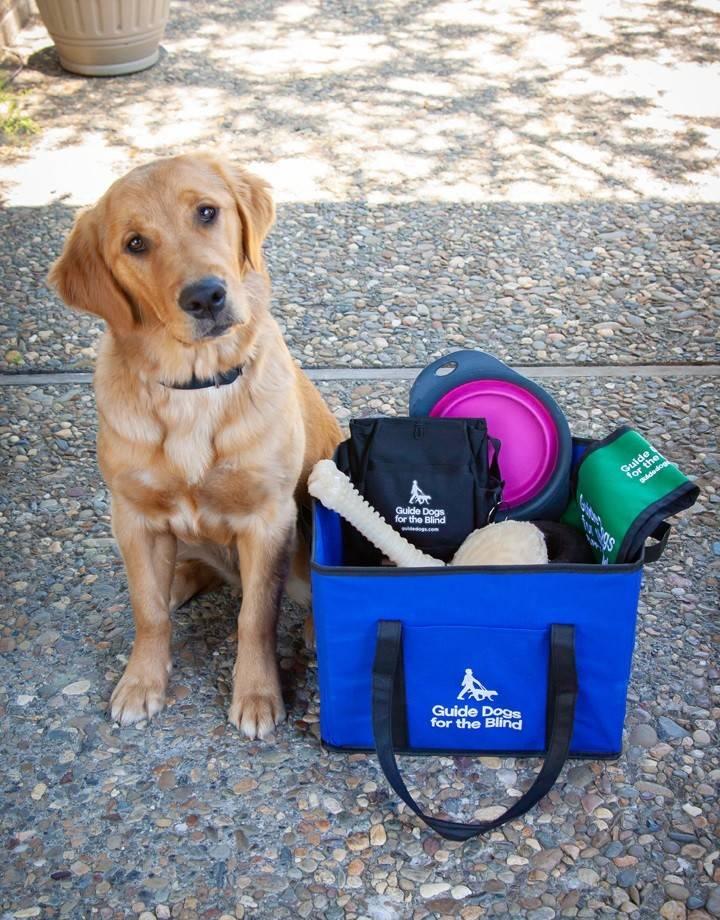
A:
[219,380]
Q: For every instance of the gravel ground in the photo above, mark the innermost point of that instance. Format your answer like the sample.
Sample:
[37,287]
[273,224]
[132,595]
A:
[182,817]
[393,285]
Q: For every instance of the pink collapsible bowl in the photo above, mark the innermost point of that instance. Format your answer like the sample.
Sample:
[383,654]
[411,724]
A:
[536,445]
[526,430]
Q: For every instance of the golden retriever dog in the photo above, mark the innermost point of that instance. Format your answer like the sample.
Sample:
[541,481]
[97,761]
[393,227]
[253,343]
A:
[207,428]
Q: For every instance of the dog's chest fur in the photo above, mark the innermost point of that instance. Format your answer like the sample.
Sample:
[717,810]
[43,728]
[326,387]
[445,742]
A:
[191,425]
[203,470]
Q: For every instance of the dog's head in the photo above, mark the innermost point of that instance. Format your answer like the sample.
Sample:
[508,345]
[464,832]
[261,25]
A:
[169,246]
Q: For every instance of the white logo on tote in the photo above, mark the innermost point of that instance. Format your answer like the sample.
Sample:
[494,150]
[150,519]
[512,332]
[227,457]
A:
[475,717]
[472,687]
[417,496]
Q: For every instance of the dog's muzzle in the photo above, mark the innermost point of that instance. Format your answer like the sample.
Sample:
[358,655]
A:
[206,302]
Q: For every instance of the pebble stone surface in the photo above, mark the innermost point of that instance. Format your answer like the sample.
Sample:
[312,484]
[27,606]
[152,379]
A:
[397,285]
[539,180]
[181,815]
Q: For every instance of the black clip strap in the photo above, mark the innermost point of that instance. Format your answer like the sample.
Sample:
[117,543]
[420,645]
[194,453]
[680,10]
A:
[655,550]
[562,695]
[495,478]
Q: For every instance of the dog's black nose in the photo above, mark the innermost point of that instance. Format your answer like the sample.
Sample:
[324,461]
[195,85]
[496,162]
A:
[205,297]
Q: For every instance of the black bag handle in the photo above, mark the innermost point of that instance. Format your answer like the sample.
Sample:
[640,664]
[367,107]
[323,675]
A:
[562,694]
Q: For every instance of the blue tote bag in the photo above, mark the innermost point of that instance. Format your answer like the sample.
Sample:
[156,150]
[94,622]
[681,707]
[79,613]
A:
[511,660]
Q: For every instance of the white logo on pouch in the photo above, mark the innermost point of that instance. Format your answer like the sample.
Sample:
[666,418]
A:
[475,717]
[417,516]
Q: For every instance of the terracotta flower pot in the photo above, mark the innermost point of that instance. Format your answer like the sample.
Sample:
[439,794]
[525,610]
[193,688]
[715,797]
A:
[103,38]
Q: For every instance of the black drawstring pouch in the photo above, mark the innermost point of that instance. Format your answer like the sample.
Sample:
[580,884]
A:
[434,480]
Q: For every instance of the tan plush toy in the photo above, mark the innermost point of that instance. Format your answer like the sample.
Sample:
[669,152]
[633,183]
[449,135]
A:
[506,543]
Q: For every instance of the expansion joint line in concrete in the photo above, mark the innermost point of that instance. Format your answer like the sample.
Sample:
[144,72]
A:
[360,374]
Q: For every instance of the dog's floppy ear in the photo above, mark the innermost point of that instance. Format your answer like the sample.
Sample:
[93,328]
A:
[255,206]
[83,279]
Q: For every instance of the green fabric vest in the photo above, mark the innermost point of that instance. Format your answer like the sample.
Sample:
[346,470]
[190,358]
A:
[624,488]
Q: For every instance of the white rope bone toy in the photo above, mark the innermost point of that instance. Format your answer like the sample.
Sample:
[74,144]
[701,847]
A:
[505,543]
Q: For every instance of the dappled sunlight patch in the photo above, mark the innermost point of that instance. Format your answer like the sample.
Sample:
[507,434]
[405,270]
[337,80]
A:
[594,18]
[295,11]
[493,14]
[267,52]
[483,59]
[647,81]
[602,173]
[656,122]
[549,50]
[299,178]
[536,128]
[691,90]
[192,44]
[532,192]
[519,107]
[398,136]
[446,189]
[245,122]
[383,165]
[63,169]
[597,18]
[424,86]
[189,113]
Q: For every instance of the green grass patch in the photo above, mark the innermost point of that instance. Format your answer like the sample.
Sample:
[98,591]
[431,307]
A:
[14,124]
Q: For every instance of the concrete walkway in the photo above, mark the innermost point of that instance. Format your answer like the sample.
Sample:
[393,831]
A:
[535,179]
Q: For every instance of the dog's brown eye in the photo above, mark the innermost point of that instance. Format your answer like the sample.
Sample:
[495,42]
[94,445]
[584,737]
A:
[207,213]
[135,244]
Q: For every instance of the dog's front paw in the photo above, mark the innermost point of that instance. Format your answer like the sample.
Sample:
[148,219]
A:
[256,714]
[137,696]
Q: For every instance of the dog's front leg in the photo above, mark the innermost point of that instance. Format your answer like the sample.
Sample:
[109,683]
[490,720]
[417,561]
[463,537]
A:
[264,552]
[149,562]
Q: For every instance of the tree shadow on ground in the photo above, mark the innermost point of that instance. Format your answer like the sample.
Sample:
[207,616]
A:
[418,99]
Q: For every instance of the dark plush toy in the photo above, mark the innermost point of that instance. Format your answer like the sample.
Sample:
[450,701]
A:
[565,543]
